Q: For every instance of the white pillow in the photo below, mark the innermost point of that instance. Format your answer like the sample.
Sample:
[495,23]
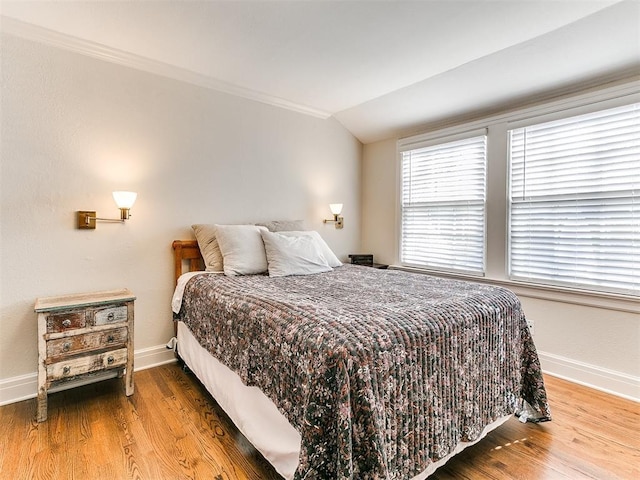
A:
[242,249]
[322,246]
[209,248]
[283,225]
[293,255]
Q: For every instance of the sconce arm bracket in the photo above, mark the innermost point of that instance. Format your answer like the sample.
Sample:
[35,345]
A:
[87,219]
[115,220]
[337,220]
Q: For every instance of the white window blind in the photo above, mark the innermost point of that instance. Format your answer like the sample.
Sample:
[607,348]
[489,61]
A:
[575,201]
[443,206]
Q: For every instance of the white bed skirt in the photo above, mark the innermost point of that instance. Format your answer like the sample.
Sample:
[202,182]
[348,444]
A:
[250,410]
[257,417]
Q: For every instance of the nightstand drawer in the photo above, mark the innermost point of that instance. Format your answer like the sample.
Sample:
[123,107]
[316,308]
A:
[61,322]
[109,315]
[65,347]
[87,364]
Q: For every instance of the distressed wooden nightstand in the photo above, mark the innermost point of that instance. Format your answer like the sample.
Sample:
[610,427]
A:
[80,336]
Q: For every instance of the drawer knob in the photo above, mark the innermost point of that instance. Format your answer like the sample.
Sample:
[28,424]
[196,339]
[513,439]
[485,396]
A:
[66,370]
[110,359]
[66,323]
[110,316]
[110,339]
[66,346]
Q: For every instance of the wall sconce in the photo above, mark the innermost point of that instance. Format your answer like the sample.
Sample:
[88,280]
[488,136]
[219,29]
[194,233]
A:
[336,209]
[124,200]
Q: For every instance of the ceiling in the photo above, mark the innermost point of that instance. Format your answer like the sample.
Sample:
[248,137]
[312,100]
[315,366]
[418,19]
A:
[381,68]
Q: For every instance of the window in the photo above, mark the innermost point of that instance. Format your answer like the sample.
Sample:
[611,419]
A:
[574,216]
[443,205]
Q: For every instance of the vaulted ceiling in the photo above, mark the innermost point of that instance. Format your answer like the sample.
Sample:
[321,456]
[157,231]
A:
[382,68]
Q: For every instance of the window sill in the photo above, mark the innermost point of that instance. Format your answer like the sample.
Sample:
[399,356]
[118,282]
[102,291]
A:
[609,301]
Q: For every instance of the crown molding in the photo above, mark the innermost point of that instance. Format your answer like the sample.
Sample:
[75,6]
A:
[29,31]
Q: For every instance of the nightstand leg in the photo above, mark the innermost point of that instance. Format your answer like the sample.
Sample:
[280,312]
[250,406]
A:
[128,377]
[128,382]
[41,407]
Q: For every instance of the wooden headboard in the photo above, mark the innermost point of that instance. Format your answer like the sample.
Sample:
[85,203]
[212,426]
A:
[186,250]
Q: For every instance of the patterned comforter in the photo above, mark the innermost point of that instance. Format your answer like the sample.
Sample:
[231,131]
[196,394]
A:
[382,372]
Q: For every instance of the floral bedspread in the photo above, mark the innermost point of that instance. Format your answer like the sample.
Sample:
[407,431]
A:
[382,372]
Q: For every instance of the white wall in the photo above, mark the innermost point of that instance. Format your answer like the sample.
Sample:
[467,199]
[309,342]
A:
[589,339]
[75,128]
[379,200]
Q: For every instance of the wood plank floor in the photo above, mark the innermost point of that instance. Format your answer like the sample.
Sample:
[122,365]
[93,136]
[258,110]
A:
[172,429]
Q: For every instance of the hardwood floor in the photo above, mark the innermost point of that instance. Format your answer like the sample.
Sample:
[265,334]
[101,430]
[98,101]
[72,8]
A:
[172,429]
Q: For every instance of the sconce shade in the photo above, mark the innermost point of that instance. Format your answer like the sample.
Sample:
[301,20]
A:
[336,208]
[124,199]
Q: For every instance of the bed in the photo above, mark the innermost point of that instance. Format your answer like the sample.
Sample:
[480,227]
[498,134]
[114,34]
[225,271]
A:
[357,372]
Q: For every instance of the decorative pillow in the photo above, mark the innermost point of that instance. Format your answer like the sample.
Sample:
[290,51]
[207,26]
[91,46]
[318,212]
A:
[322,246]
[293,255]
[242,249]
[209,248]
[283,225]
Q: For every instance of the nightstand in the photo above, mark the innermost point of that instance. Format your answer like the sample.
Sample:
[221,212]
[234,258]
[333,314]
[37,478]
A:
[381,266]
[81,336]
[366,260]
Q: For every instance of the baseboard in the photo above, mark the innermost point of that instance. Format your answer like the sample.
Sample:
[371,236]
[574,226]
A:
[605,380]
[153,357]
[25,387]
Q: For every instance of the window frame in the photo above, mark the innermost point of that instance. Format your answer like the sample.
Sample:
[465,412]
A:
[546,282]
[543,109]
[416,143]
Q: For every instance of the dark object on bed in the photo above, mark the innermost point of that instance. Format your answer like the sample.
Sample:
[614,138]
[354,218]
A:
[380,388]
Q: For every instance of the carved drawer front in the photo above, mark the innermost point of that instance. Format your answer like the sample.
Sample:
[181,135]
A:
[89,363]
[105,316]
[64,347]
[61,322]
